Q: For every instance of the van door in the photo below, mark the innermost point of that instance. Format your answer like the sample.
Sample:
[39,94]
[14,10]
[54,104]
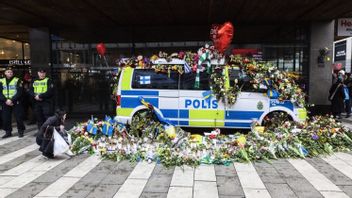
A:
[196,109]
[251,104]
[164,85]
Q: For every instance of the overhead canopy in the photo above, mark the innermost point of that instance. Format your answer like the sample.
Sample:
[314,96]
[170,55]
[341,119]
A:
[160,20]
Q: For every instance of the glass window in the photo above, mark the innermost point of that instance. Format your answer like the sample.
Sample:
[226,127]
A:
[26,51]
[149,79]
[188,80]
[243,81]
[10,49]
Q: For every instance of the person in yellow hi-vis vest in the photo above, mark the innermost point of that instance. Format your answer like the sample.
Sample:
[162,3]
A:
[42,90]
[10,96]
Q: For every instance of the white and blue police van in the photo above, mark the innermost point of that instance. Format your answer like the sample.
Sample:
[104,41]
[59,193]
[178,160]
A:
[174,97]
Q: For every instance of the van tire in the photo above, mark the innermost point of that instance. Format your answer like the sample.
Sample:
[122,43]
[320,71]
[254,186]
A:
[139,112]
[275,118]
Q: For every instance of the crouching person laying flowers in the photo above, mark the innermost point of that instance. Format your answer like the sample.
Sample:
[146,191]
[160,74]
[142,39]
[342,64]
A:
[52,137]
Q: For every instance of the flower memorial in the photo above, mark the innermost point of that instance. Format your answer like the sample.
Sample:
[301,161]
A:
[145,138]
[152,138]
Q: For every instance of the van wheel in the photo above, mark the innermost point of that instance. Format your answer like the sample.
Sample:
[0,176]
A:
[275,119]
[144,115]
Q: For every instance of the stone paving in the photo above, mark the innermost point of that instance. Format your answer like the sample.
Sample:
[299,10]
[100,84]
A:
[25,173]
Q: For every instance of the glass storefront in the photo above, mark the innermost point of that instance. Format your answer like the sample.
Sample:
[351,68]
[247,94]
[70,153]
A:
[15,53]
[11,50]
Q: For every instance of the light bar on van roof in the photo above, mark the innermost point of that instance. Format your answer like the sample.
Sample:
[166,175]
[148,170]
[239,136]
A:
[176,61]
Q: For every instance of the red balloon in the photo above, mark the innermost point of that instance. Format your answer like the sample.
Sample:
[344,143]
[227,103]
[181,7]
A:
[101,49]
[223,36]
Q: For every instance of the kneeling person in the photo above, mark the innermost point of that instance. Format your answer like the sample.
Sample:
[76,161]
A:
[44,138]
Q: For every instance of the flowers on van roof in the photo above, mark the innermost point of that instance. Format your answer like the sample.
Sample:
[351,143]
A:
[149,140]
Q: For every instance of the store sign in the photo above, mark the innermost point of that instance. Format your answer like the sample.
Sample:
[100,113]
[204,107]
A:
[344,27]
[15,62]
[340,51]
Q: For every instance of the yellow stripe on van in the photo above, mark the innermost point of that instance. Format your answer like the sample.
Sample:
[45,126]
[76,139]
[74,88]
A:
[206,114]
[124,111]
[217,118]
[127,78]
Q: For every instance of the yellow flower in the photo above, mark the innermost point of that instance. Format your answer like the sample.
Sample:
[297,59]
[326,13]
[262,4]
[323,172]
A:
[171,132]
[196,138]
[241,141]
[91,140]
[154,57]
[102,150]
[334,130]
[259,129]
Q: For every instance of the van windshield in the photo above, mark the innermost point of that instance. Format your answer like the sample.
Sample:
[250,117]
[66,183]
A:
[243,81]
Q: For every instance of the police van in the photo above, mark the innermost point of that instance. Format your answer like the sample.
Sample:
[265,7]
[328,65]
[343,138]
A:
[175,99]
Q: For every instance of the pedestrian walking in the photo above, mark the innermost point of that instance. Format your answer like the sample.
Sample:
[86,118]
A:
[10,97]
[42,90]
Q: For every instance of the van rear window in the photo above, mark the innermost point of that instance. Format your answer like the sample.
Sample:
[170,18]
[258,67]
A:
[149,79]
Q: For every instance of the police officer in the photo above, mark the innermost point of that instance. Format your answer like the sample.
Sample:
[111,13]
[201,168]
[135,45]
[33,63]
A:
[42,90]
[10,94]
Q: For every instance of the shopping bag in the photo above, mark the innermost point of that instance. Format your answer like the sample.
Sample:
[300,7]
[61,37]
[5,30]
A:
[60,145]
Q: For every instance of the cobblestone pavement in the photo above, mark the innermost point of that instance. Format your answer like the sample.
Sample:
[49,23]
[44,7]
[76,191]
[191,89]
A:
[25,173]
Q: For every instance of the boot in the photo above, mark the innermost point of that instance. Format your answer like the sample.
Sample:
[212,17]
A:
[20,134]
[8,134]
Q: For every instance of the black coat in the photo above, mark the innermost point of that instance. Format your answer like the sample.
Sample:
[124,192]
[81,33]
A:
[45,134]
[337,102]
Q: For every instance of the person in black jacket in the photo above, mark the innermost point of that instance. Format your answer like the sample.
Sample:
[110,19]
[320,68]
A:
[336,96]
[42,90]
[11,91]
[46,132]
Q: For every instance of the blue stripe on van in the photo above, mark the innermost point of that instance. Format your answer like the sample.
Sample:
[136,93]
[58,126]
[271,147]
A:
[127,102]
[174,122]
[286,103]
[237,124]
[173,113]
[184,114]
[169,113]
[139,93]
[184,123]
[243,115]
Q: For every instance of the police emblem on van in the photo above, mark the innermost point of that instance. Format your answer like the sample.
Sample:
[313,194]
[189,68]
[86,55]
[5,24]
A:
[260,105]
